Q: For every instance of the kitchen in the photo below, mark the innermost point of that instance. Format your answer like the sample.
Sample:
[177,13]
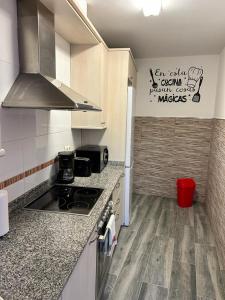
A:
[67,85]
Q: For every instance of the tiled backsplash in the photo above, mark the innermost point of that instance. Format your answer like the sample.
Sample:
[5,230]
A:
[6,183]
[170,148]
[216,186]
[30,137]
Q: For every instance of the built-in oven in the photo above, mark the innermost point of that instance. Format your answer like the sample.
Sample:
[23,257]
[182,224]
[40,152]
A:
[103,258]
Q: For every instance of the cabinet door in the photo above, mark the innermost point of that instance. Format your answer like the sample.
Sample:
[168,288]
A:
[87,120]
[118,64]
[81,284]
[92,255]
[89,78]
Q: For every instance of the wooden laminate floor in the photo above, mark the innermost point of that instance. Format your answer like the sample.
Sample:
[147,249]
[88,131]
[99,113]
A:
[166,253]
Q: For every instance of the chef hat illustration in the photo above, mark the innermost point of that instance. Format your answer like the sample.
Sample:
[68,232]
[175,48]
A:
[193,76]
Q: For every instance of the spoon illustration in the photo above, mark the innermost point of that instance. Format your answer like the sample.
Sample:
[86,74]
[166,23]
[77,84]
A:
[154,84]
[197,96]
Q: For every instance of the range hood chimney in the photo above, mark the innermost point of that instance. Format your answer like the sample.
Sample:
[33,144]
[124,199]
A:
[36,86]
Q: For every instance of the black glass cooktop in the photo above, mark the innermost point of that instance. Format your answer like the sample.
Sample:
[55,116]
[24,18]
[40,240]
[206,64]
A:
[70,199]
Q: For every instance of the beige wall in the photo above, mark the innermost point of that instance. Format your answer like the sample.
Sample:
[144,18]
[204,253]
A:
[148,105]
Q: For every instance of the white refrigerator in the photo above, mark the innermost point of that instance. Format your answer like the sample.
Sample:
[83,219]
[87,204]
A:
[128,190]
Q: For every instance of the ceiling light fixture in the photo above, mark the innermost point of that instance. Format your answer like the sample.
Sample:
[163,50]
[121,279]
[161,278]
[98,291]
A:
[151,7]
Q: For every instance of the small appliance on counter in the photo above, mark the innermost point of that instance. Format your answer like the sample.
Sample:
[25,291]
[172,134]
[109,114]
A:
[82,167]
[66,167]
[98,156]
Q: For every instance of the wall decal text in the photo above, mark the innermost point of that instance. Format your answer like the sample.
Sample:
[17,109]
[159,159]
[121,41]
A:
[175,86]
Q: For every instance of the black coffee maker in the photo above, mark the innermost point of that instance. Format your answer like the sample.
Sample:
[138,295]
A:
[66,167]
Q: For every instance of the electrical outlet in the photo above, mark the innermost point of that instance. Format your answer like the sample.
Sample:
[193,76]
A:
[67,148]
[2,152]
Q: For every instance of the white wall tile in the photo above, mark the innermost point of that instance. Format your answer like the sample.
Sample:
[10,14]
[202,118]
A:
[34,122]
[35,151]
[8,74]
[20,124]
[31,181]
[76,137]
[12,163]
[62,60]
[11,124]
[59,121]
[15,190]
[42,122]
[8,25]
[58,141]
[30,137]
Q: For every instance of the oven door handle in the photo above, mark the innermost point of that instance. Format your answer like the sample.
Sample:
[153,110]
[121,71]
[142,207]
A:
[102,238]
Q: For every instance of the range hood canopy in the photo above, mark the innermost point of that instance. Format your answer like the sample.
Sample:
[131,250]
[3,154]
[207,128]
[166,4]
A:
[36,86]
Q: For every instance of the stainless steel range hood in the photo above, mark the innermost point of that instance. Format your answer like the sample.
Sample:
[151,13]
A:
[36,86]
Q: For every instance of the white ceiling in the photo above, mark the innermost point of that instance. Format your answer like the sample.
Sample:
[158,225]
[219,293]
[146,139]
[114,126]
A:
[185,27]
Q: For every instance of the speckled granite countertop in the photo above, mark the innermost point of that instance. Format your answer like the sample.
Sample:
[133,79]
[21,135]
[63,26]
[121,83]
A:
[42,248]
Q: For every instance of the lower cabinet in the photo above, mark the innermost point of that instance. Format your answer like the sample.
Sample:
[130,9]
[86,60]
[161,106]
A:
[81,284]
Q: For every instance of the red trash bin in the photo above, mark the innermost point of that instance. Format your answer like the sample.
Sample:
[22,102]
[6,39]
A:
[185,191]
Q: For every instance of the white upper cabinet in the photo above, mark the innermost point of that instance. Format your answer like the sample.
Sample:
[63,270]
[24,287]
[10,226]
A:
[89,78]
[70,22]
